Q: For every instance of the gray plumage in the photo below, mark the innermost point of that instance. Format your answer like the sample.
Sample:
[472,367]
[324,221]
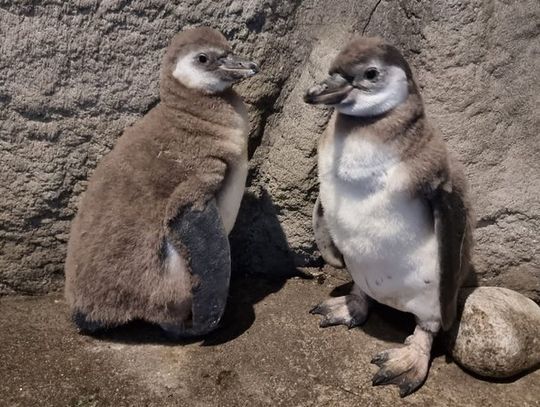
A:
[148,241]
[393,204]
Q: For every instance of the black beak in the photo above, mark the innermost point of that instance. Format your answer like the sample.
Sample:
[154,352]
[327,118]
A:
[330,92]
[238,68]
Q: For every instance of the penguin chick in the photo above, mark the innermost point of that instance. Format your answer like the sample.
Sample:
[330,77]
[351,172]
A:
[393,204]
[150,238]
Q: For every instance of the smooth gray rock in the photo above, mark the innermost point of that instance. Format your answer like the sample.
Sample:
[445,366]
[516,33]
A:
[498,335]
[74,74]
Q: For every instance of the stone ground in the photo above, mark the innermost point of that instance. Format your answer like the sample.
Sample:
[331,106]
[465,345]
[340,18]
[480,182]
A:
[270,352]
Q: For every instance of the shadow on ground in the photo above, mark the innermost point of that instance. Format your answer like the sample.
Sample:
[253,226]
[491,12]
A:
[238,317]
[270,352]
[262,263]
[387,324]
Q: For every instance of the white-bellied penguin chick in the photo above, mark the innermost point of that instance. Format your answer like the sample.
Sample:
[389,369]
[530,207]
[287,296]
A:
[392,205]
[150,239]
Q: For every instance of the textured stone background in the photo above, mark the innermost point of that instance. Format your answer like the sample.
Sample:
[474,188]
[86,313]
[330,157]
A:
[74,74]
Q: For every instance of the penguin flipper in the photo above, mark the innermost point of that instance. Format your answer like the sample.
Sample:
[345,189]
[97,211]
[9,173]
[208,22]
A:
[199,234]
[452,228]
[329,252]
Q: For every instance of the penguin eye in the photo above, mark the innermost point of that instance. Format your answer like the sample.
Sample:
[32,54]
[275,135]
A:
[371,74]
[203,58]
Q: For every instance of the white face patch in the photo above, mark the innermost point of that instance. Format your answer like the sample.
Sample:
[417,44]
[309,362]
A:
[359,103]
[190,74]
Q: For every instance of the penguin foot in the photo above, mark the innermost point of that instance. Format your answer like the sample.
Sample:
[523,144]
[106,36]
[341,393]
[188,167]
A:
[405,367]
[349,310]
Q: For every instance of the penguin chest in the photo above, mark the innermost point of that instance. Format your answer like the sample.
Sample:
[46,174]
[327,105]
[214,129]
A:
[232,191]
[386,235]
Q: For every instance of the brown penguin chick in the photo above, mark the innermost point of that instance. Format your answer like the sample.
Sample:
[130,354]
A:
[393,205]
[150,238]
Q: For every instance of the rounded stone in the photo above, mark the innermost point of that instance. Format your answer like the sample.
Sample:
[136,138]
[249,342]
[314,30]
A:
[498,334]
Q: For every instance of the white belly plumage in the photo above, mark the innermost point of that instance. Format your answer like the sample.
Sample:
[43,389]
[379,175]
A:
[230,195]
[385,235]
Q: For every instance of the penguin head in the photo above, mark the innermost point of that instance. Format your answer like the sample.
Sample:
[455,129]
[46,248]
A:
[201,59]
[368,78]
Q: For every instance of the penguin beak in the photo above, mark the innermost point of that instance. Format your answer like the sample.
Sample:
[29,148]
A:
[236,68]
[330,92]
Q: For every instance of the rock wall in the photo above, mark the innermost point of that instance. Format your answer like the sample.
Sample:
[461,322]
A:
[74,74]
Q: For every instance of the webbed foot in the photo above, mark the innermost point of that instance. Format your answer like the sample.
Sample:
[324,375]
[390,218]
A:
[349,310]
[405,367]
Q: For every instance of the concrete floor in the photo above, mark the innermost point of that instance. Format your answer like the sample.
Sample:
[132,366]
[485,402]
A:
[270,352]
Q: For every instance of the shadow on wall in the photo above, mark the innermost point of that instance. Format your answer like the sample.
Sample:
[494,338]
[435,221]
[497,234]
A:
[258,243]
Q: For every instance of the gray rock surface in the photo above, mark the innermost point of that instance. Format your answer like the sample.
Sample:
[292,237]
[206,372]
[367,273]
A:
[499,332]
[74,74]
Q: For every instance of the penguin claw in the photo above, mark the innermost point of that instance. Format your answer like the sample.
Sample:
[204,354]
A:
[346,310]
[380,378]
[404,367]
[353,323]
[379,358]
[315,310]
[327,322]
[408,388]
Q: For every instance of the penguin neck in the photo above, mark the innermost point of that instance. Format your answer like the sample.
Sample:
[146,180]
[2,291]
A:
[184,105]
[399,128]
